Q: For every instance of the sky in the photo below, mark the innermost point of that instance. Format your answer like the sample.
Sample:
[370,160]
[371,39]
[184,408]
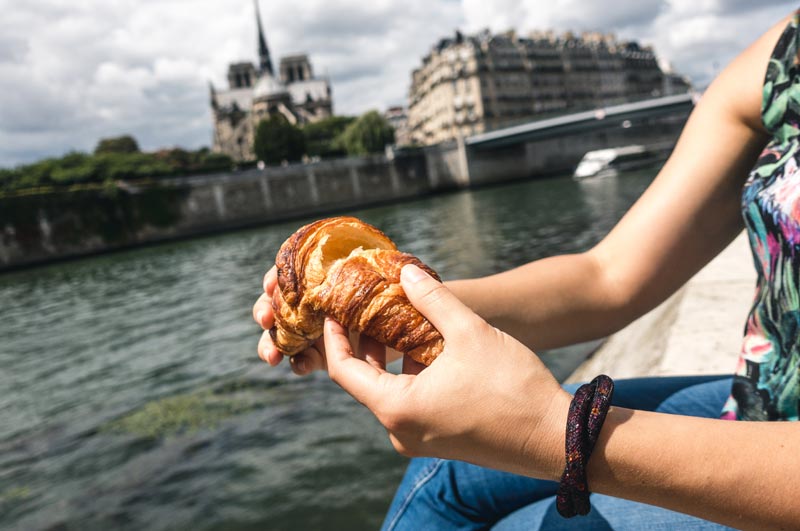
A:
[75,71]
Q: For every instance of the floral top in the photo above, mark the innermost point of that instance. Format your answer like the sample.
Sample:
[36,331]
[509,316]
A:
[767,381]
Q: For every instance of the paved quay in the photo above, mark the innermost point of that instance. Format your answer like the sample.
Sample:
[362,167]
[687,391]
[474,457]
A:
[696,331]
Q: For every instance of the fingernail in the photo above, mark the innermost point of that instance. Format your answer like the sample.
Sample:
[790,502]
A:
[260,317]
[302,365]
[413,273]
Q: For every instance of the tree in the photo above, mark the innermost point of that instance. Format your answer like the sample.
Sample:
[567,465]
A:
[117,144]
[210,162]
[176,158]
[370,133]
[277,140]
[76,168]
[321,137]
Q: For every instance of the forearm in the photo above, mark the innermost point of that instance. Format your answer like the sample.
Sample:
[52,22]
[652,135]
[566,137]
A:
[688,215]
[740,474]
[548,303]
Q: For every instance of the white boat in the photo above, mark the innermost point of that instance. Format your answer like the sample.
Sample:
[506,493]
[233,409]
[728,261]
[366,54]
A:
[606,162]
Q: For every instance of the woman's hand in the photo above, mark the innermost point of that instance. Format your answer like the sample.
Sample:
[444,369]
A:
[311,359]
[486,399]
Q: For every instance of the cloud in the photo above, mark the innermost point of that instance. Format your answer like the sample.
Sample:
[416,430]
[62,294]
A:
[700,38]
[73,71]
[368,49]
[735,7]
[575,15]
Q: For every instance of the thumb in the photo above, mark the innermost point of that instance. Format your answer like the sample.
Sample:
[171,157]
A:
[434,300]
[355,376]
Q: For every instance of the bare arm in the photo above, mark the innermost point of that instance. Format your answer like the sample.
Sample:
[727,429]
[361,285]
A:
[684,219]
[736,473]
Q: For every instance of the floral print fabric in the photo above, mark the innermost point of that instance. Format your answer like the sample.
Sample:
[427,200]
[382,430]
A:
[766,385]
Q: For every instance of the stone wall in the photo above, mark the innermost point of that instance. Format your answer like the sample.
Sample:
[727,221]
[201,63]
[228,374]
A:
[43,227]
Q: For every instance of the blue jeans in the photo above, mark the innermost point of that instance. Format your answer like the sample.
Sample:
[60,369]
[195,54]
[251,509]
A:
[441,494]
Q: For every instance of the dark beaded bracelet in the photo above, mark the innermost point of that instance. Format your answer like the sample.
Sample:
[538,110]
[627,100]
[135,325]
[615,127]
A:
[585,419]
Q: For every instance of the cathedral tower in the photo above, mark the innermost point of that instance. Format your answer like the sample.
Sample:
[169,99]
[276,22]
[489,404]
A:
[256,93]
[264,61]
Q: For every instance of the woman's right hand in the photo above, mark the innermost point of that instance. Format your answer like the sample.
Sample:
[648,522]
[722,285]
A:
[311,359]
[486,399]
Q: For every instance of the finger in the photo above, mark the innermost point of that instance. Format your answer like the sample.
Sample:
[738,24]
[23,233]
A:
[434,300]
[270,280]
[299,364]
[267,350]
[358,378]
[308,361]
[262,312]
[355,344]
[372,351]
[274,358]
[412,366]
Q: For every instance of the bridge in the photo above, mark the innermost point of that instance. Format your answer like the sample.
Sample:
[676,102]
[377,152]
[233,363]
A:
[582,122]
[554,146]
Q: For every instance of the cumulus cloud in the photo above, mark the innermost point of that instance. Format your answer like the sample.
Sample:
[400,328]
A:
[73,71]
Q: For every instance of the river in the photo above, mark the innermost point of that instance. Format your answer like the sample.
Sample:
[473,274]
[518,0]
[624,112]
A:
[131,395]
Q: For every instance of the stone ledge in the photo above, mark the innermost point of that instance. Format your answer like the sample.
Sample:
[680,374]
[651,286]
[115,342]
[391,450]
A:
[698,330]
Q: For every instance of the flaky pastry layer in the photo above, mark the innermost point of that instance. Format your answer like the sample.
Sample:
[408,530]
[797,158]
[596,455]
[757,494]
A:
[349,270]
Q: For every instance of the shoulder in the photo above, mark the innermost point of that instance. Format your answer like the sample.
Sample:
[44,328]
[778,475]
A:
[745,86]
[780,93]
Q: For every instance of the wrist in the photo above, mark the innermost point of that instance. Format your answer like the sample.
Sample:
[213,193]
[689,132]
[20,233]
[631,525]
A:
[545,443]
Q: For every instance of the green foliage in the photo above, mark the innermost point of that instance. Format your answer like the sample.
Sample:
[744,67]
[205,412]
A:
[322,137]
[117,144]
[132,166]
[211,162]
[277,140]
[370,133]
[185,162]
[108,167]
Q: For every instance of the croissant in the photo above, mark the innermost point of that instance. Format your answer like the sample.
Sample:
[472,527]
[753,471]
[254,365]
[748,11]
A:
[349,270]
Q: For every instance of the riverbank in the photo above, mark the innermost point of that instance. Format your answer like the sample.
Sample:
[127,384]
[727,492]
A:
[56,223]
[696,331]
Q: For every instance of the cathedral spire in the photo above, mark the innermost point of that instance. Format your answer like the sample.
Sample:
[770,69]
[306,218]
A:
[212,94]
[264,62]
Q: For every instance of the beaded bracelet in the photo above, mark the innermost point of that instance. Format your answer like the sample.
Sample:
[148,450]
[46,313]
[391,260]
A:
[585,419]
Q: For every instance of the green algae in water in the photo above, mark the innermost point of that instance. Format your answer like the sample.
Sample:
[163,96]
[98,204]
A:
[180,414]
[13,494]
[199,410]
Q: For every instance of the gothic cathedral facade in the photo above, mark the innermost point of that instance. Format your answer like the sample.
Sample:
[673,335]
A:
[256,94]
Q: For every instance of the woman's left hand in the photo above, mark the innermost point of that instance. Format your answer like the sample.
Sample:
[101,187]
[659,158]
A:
[486,399]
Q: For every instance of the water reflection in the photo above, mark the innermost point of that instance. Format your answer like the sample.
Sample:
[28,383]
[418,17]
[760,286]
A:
[161,339]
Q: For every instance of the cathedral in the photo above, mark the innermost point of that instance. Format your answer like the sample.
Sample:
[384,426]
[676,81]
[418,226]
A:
[256,94]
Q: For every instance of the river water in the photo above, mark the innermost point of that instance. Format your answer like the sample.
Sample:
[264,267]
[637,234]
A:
[131,395]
